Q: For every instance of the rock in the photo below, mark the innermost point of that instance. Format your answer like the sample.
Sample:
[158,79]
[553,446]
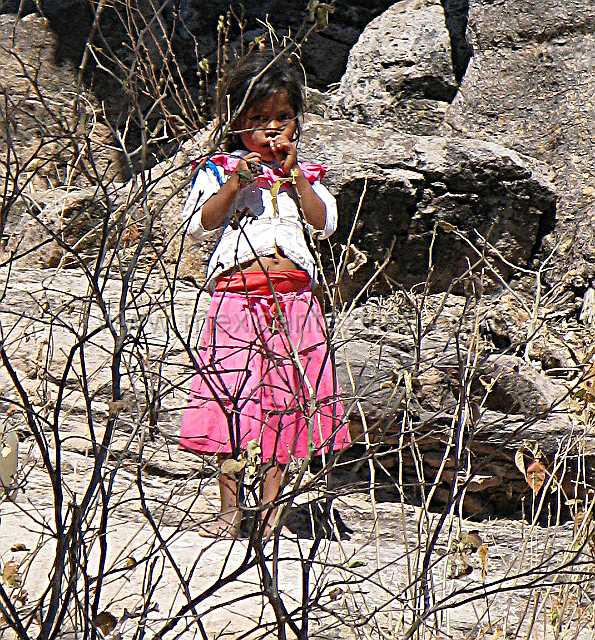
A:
[324,53]
[400,72]
[553,338]
[56,138]
[382,368]
[530,87]
[58,228]
[510,385]
[156,198]
[412,185]
[377,546]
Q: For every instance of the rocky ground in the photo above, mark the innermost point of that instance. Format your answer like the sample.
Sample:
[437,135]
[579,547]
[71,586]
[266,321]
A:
[361,580]
[459,139]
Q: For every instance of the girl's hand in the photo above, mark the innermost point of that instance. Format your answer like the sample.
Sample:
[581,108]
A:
[249,159]
[285,153]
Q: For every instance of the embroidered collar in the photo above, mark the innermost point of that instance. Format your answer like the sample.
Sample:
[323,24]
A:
[269,174]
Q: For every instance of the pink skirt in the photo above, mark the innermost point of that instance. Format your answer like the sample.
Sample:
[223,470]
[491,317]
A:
[265,374]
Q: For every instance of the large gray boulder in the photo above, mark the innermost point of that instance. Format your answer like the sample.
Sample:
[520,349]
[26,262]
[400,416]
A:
[530,86]
[400,70]
[413,185]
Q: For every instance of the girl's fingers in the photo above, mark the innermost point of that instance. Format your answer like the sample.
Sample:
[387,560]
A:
[285,153]
[253,157]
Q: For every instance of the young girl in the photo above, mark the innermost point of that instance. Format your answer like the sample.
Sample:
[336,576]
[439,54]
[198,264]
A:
[265,374]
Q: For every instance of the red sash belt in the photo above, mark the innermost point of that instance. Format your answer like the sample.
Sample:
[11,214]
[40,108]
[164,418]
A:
[263,284]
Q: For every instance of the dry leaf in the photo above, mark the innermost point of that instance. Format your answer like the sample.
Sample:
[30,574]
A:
[131,235]
[22,596]
[115,406]
[355,563]
[519,461]
[459,566]
[336,593]
[586,389]
[231,467]
[357,259]
[19,546]
[482,552]
[253,448]
[105,622]
[318,12]
[536,476]
[11,575]
[471,540]
[9,457]
[446,226]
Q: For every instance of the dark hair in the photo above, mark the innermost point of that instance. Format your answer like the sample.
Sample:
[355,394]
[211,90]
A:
[275,73]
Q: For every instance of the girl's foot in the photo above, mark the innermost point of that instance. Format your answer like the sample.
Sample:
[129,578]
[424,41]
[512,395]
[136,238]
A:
[270,525]
[268,532]
[225,526]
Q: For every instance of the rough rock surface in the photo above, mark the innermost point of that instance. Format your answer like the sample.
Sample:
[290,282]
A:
[400,72]
[361,567]
[45,112]
[358,580]
[325,52]
[409,352]
[414,184]
[378,353]
[530,87]
[411,184]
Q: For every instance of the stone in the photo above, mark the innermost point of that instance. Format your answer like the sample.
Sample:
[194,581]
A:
[415,186]
[324,52]
[381,365]
[530,86]
[376,548]
[56,136]
[58,228]
[400,72]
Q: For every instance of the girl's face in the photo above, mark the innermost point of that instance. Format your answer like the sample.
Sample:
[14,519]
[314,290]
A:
[264,121]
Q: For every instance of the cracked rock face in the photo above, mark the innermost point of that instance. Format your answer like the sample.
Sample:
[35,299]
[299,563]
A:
[38,90]
[530,86]
[400,71]
[410,184]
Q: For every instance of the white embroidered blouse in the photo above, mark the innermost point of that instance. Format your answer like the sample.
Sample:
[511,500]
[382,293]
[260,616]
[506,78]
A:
[256,228]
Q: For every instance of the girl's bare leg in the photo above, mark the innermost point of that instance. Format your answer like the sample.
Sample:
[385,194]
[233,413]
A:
[228,490]
[227,523]
[271,488]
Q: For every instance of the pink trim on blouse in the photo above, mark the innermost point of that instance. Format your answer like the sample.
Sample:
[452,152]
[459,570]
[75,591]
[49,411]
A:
[312,170]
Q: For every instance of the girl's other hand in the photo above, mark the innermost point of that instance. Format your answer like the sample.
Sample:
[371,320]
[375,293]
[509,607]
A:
[285,153]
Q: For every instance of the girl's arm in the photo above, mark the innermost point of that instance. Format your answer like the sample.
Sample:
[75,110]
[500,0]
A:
[215,209]
[312,206]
